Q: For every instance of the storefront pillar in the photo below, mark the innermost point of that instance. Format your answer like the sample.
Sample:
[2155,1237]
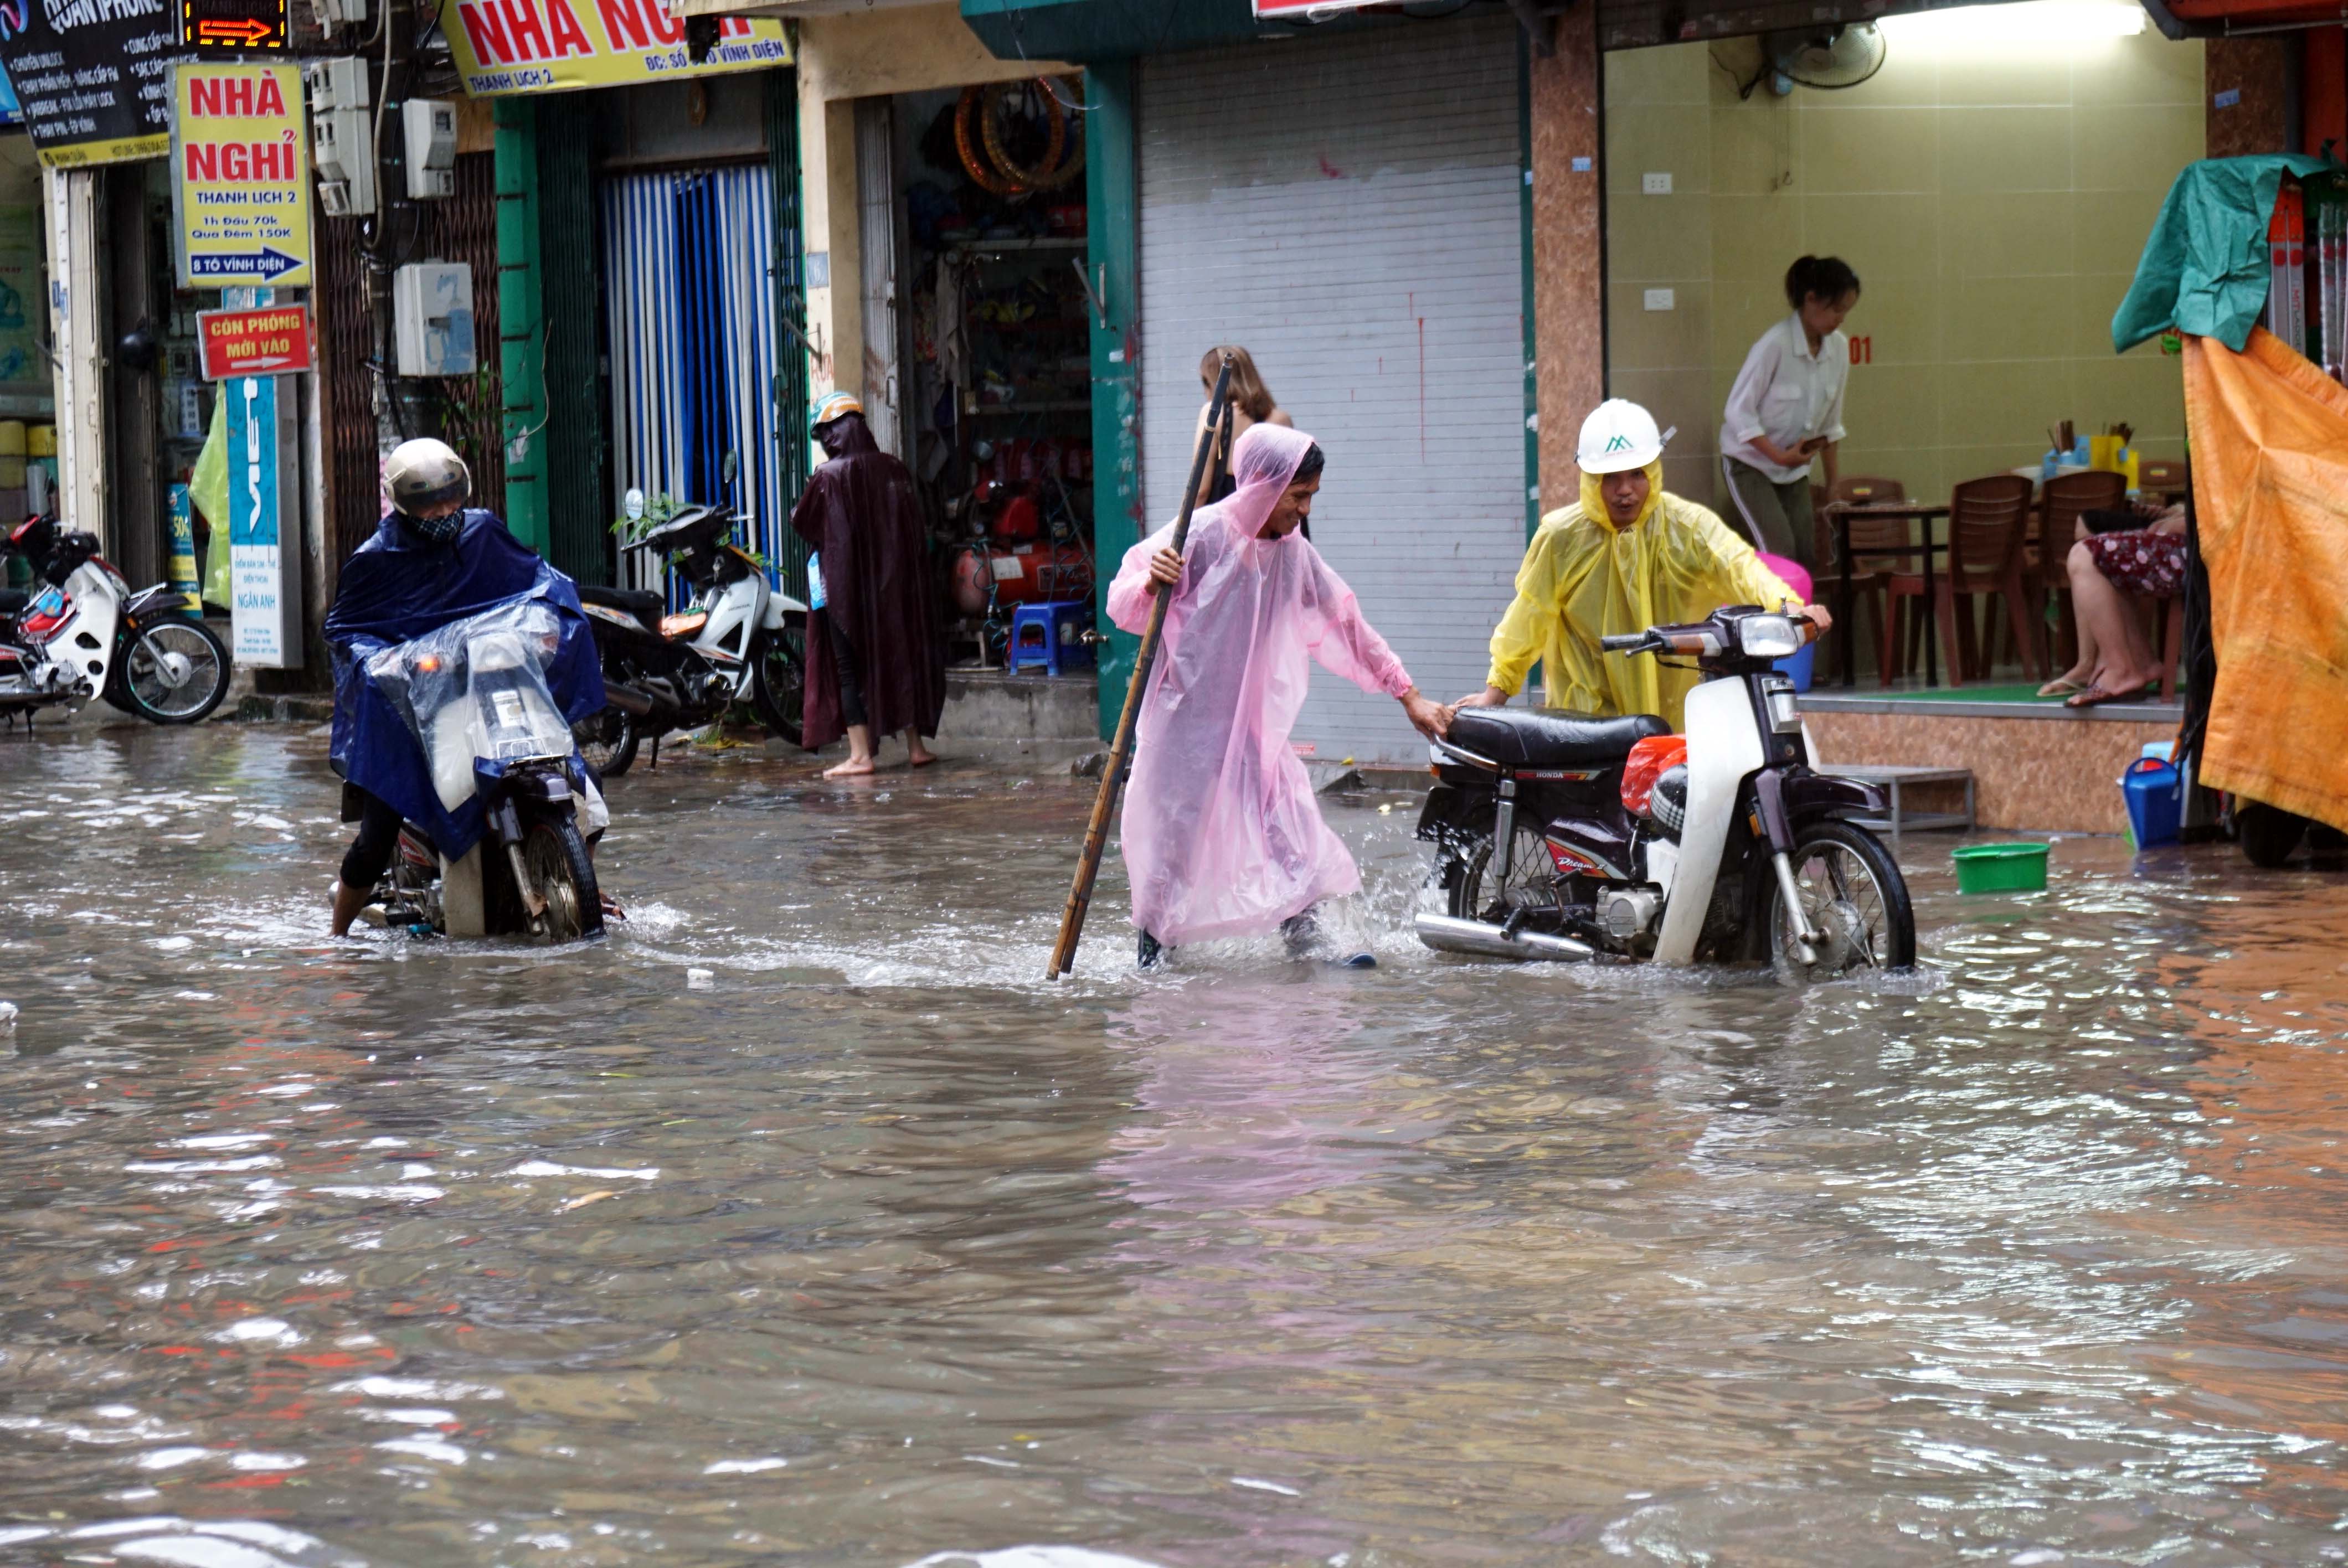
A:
[75,299]
[1112,202]
[522,339]
[1569,258]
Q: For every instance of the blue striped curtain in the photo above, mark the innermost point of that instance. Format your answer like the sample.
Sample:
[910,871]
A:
[691,330]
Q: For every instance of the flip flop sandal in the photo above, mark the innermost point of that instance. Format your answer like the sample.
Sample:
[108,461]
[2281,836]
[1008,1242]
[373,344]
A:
[2095,695]
[2060,686]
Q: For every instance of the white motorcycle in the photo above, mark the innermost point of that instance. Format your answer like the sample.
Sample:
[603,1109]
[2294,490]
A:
[1562,835]
[84,633]
[739,641]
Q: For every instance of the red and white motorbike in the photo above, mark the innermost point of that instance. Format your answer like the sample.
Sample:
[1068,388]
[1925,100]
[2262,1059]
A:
[82,633]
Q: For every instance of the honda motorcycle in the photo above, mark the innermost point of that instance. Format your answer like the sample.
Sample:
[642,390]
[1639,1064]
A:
[1559,836]
[83,633]
[739,641]
[475,698]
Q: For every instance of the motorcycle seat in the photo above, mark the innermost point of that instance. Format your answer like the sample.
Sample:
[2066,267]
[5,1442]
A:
[13,599]
[1550,737]
[643,603]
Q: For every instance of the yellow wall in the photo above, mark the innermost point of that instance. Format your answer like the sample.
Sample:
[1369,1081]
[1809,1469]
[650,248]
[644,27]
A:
[1992,202]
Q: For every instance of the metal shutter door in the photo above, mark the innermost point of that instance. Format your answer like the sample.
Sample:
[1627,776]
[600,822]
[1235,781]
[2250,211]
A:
[1348,208]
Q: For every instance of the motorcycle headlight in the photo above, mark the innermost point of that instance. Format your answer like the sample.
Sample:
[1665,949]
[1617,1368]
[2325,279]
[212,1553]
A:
[1769,637]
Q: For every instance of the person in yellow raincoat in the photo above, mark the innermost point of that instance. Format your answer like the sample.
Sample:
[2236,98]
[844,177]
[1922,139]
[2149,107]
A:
[1626,557]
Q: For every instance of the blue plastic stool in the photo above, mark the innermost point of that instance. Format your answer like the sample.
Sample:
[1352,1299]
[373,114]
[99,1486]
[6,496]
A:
[1051,634]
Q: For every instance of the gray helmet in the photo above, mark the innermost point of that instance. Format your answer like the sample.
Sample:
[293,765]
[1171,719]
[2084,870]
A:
[421,473]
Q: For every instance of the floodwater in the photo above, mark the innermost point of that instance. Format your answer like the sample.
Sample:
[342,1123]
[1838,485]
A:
[870,1245]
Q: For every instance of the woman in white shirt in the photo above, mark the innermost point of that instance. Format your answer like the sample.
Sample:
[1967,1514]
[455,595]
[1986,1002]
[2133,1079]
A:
[1787,409]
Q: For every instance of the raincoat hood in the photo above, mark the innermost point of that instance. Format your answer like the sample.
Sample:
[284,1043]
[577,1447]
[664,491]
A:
[1222,835]
[1583,578]
[1593,503]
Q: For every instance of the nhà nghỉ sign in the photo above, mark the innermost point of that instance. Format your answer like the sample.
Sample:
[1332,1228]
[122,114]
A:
[504,46]
[239,177]
[274,340]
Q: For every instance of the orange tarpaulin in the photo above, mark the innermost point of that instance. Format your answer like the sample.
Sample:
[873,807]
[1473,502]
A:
[2270,443]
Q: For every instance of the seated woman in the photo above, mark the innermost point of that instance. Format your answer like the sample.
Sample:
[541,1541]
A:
[2115,662]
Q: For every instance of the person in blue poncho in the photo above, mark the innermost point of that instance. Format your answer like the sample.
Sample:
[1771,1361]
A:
[432,561]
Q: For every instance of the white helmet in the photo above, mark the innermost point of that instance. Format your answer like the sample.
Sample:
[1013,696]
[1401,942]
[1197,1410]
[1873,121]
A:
[426,473]
[1619,435]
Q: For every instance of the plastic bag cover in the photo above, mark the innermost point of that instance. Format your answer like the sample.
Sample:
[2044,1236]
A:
[1222,836]
[2204,269]
[395,589]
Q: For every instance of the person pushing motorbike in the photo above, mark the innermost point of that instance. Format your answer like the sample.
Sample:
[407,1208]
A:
[432,561]
[1626,555]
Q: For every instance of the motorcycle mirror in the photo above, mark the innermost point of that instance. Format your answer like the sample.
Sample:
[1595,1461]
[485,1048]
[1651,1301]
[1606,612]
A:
[137,348]
[633,504]
[732,465]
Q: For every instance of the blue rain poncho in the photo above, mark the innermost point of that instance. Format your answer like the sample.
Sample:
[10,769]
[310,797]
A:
[398,587]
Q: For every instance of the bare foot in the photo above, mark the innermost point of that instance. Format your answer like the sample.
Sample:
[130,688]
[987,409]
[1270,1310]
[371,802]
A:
[853,768]
[920,758]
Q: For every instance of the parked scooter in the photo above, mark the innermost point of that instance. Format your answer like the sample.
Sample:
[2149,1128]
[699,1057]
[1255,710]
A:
[1564,837]
[739,641]
[475,698]
[84,632]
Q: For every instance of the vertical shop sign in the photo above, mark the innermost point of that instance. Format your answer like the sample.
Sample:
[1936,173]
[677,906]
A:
[183,547]
[240,176]
[264,606]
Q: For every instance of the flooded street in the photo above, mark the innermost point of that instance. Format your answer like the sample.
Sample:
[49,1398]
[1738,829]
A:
[870,1245]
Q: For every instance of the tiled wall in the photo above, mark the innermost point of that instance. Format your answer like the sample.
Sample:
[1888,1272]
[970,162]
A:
[1993,201]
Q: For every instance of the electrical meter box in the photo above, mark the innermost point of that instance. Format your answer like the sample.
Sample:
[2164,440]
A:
[342,135]
[431,148]
[432,318]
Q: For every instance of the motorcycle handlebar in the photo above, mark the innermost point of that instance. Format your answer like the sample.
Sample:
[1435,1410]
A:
[1629,643]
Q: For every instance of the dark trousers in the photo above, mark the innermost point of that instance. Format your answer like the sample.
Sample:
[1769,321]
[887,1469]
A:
[369,855]
[850,674]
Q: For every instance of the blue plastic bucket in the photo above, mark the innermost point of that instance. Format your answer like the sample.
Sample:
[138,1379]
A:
[2155,792]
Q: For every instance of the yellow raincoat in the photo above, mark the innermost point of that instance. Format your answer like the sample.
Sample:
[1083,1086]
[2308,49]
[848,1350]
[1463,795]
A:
[1583,578]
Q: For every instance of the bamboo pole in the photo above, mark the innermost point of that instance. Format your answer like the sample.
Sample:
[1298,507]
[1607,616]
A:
[1120,751]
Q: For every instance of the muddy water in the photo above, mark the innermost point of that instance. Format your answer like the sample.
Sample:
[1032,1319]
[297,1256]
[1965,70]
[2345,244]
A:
[871,1247]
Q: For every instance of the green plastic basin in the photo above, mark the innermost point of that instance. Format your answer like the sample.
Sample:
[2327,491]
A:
[2001,868]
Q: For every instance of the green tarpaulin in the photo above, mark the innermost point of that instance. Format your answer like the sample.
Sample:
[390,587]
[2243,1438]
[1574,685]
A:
[2204,271]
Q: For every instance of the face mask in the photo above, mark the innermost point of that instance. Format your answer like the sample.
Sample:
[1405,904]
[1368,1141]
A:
[436,531]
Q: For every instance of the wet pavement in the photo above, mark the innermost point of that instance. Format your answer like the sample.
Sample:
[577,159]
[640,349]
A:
[871,1245]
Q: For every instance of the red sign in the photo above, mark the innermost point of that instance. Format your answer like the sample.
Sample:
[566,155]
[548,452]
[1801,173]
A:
[274,340]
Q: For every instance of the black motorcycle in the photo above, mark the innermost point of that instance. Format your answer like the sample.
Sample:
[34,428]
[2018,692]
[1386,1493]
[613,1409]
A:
[739,641]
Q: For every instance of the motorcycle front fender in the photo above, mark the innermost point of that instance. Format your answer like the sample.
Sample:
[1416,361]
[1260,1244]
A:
[1809,797]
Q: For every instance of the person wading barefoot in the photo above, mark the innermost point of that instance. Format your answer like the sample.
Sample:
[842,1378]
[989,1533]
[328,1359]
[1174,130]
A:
[875,663]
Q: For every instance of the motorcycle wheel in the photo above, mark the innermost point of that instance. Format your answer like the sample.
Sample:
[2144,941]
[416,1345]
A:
[778,683]
[1531,879]
[555,857]
[2269,834]
[1855,894]
[608,741]
[146,672]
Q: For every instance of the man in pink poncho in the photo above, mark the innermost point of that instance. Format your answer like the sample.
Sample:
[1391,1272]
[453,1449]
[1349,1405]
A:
[1222,836]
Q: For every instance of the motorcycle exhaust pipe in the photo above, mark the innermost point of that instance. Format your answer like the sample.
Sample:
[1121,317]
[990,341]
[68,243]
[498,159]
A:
[628,699]
[1446,935]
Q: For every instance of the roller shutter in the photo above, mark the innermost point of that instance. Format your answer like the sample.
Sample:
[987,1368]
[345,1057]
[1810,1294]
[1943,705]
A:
[1348,208]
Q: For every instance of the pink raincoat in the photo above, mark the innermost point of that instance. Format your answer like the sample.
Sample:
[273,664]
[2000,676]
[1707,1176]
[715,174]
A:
[1222,835]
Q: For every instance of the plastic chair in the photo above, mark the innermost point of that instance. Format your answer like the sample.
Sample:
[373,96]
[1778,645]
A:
[2169,477]
[1867,587]
[1050,634]
[2060,503]
[1988,526]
